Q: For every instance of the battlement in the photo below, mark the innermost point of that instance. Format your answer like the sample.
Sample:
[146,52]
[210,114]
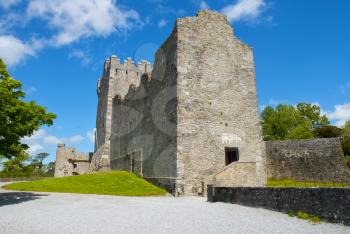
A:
[113,65]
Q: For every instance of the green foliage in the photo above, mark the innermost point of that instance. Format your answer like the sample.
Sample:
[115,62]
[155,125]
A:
[347,159]
[290,183]
[313,113]
[306,216]
[285,122]
[16,163]
[37,162]
[23,166]
[290,122]
[50,168]
[346,138]
[328,132]
[18,118]
[119,183]
[303,215]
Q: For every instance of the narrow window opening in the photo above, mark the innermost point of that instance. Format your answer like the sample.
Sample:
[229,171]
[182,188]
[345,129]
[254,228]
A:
[132,164]
[126,72]
[231,155]
[116,71]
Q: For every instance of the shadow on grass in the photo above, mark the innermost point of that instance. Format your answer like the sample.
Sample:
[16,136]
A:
[12,198]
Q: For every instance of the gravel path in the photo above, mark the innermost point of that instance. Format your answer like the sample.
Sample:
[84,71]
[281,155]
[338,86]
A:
[74,213]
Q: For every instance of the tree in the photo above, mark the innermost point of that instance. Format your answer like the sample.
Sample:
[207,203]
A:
[37,162]
[346,138]
[18,118]
[16,163]
[313,113]
[284,122]
[328,132]
[50,169]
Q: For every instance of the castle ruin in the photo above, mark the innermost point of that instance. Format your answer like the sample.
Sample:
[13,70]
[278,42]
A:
[189,120]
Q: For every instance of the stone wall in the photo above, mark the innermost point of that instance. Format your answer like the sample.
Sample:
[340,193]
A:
[330,204]
[143,136]
[217,102]
[172,126]
[310,160]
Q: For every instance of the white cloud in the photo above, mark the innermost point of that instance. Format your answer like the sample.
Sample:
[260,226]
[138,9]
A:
[204,5]
[91,135]
[30,90]
[7,4]
[243,10]
[42,139]
[344,87]
[75,139]
[35,148]
[340,115]
[82,18]
[162,23]
[13,50]
[82,56]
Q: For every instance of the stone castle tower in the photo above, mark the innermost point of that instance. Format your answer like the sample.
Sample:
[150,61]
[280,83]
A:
[189,121]
[116,80]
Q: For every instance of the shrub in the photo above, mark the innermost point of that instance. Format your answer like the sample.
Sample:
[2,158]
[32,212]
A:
[303,215]
[347,158]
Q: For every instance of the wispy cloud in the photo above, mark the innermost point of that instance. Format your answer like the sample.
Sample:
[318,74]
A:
[162,23]
[68,21]
[82,56]
[161,9]
[340,114]
[42,139]
[7,4]
[345,87]
[204,5]
[30,90]
[91,135]
[244,10]
[82,18]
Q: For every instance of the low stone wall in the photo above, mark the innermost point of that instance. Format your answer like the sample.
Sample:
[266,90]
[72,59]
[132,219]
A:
[307,160]
[331,204]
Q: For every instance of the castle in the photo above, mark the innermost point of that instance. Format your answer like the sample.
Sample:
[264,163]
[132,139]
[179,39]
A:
[189,120]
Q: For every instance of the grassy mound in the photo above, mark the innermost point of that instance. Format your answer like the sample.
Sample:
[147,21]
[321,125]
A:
[119,183]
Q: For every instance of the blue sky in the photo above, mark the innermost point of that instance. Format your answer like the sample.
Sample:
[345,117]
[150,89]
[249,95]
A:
[57,49]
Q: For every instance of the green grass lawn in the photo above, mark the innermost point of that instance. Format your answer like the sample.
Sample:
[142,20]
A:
[119,183]
[308,184]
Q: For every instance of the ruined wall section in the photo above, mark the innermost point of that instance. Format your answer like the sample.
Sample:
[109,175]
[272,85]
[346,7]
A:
[69,161]
[144,122]
[311,160]
[217,101]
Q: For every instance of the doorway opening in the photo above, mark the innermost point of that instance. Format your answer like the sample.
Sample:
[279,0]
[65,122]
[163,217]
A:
[231,155]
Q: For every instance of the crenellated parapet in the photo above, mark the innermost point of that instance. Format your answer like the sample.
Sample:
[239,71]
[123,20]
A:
[128,69]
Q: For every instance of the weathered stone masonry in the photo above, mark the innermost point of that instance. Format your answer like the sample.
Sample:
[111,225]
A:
[172,126]
[330,204]
[192,120]
[71,162]
[307,160]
